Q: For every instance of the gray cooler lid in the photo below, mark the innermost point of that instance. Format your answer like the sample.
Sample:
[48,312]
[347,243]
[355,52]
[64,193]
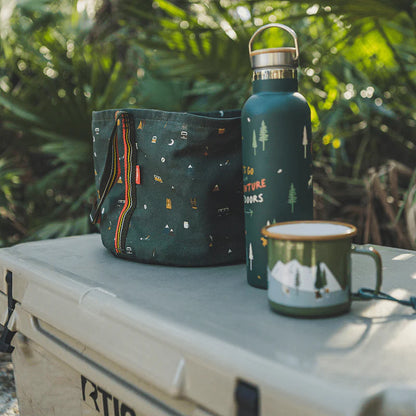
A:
[194,333]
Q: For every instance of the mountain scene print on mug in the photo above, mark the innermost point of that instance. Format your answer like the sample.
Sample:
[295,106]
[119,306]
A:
[302,286]
[309,267]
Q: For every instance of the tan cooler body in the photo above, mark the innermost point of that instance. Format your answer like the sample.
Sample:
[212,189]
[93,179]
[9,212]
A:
[96,335]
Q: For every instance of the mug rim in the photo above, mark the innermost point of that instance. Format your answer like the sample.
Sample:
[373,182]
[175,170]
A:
[290,237]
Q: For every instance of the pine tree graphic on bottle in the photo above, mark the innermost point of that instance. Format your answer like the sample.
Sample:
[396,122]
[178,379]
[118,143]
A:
[264,134]
[292,198]
[254,142]
[304,141]
[250,256]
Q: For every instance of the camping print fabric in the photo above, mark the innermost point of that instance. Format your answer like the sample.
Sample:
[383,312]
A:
[184,171]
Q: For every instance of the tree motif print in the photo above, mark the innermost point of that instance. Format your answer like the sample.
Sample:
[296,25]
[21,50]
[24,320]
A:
[297,281]
[292,198]
[264,134]
[254,142]
[324,277]
[320,280]
[250,256]
[305,141]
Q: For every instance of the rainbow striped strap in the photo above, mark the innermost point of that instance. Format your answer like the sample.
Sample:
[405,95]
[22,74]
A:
[112,172]
[130,158]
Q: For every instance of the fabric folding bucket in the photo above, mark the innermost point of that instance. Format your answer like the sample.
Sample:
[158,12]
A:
[169,186]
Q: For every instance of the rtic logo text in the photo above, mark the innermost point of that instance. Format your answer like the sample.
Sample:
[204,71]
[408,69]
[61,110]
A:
[103,402]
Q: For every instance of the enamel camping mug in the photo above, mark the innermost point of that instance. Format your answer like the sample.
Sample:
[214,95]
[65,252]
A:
[277,163]
[309,267]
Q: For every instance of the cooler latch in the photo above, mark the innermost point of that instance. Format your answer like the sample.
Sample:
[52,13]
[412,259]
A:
[7,335]
[247,398]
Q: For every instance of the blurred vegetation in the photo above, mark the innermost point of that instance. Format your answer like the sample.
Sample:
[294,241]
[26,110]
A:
[59,60]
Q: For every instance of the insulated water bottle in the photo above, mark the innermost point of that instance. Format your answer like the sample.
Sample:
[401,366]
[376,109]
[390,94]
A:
[277,163]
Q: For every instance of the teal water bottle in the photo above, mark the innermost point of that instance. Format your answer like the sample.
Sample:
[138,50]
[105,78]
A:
[277,162]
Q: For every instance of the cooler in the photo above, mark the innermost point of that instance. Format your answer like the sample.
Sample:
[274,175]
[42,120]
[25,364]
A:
[96,335]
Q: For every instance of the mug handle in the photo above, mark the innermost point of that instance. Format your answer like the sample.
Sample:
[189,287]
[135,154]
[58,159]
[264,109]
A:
[375,255]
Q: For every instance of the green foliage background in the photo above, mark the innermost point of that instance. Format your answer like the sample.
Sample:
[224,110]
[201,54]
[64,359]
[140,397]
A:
[59,60]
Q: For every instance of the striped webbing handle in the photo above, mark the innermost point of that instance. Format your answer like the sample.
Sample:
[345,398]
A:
[112,172]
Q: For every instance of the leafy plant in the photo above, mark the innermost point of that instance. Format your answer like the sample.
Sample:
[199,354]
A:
[61,60]
[52,78]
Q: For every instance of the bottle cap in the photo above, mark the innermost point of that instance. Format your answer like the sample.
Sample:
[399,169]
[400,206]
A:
[282,58]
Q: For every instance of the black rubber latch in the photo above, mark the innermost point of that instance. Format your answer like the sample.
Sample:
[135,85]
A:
[5,341]
[247,398]
[7,335]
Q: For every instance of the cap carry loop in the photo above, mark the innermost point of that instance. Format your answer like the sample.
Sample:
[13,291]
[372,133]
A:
[278,25]
[274,57]
[369,294]
[112,172]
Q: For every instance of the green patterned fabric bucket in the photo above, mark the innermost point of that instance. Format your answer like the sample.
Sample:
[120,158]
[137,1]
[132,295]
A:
[169,186]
